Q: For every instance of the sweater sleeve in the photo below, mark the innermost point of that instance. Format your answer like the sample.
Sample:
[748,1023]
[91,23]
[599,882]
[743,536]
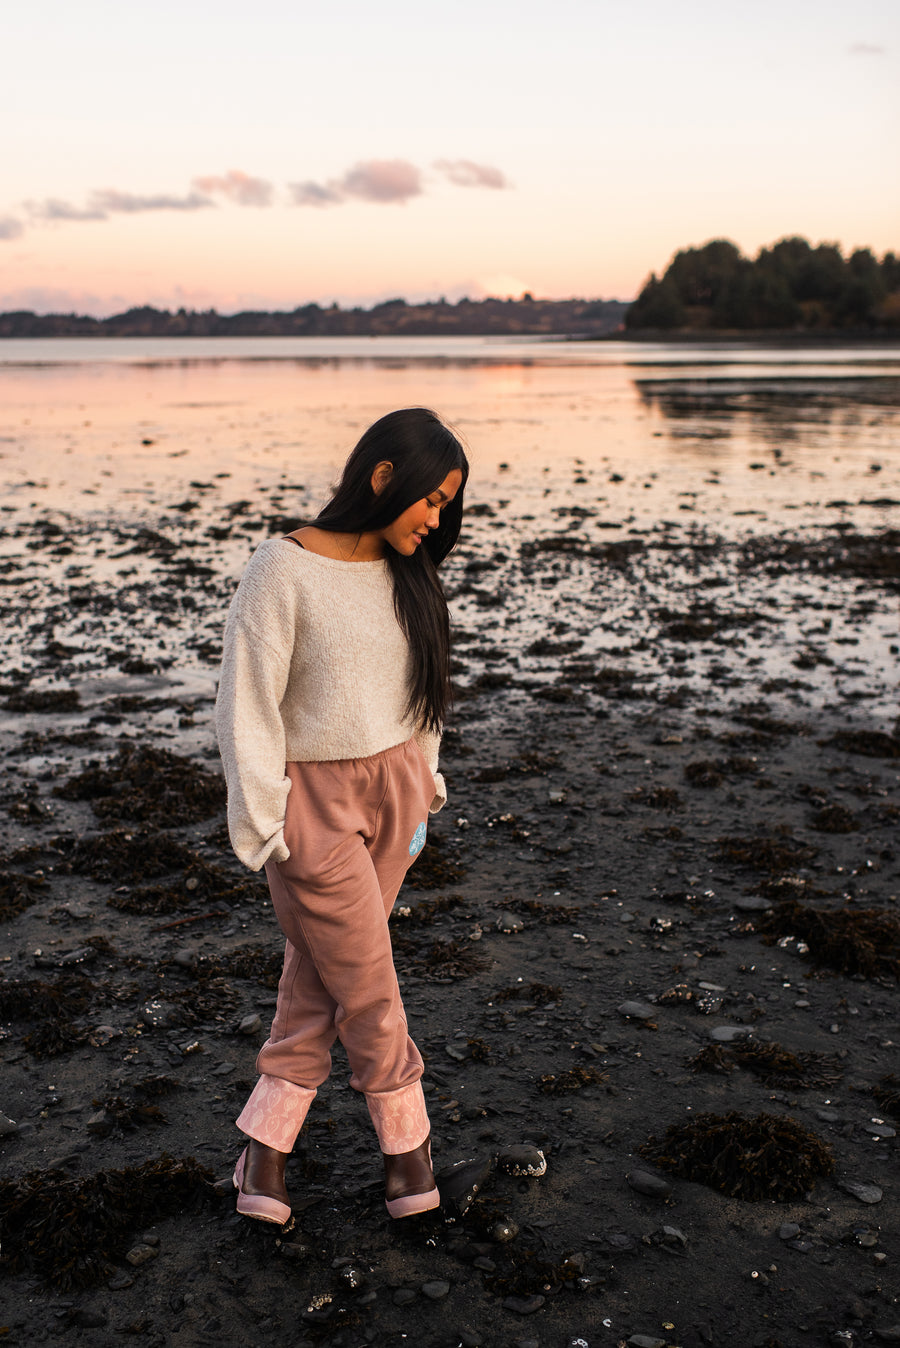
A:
[251,734]
[429,741]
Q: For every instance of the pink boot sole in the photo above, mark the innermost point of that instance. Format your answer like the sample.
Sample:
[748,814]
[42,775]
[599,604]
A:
[258,1205]
[410,1204]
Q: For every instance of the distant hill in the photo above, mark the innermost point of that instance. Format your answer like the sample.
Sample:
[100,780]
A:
[788,287]
[394,318]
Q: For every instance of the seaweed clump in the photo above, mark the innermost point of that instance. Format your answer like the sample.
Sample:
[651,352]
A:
[863,941]
[442,962]
[656,797]
[152,786]
[566,1083]
[199,881]
[51,1007]
[869,743]
[765,854]
[123,853]
[539,994]
[18,892]
[434,867]
[759,1159]
[69,1231]
[250,961]
[887,1093]
[546,913]
[773,1064]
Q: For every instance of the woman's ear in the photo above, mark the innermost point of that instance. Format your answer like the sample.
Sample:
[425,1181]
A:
[382,475]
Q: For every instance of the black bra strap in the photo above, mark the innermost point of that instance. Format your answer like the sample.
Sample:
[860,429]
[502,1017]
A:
[288,539]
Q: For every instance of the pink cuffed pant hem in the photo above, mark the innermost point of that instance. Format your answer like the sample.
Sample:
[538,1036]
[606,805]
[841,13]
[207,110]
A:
[400,1118]
[275,1112]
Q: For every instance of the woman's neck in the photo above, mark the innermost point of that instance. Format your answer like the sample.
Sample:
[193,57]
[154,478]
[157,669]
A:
[341,547]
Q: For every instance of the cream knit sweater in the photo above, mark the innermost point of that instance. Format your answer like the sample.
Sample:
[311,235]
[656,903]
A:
[315,668]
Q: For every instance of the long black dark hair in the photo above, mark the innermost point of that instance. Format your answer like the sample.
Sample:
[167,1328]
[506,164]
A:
[423,451]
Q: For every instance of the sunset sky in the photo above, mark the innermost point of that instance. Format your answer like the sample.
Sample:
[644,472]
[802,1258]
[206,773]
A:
[232,155]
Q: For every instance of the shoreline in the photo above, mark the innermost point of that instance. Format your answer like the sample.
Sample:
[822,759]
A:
[585,921]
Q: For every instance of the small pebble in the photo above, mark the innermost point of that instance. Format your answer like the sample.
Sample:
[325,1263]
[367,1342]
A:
[7,1126]
[510,923]
[88,1319]
[139,1254]
[435,1291]
[403,1296]
[104,1034]
[503,1230]
[251,1024]
[636,1011]
[652,1186]
[866,1193]
[525,1305]
[727,1034]
[352,1276]
[645,1341]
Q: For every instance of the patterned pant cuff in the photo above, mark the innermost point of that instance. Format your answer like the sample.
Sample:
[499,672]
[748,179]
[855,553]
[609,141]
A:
[400,1118]
[275,1112]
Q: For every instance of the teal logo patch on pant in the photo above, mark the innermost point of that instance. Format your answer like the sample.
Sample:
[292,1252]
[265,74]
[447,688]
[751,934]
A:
[418,841]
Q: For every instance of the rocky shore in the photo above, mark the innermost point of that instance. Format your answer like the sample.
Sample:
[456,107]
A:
[650,952]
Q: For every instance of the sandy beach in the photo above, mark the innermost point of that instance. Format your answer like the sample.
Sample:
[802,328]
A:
[653,940]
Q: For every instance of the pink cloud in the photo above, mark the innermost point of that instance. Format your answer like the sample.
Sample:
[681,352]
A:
[109,200]
[53,209]
[383,181]
[314,194]
[10,227]
[238,187]
[466,173]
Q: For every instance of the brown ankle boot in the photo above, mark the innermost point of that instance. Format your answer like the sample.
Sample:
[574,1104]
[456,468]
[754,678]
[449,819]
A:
[409,1182]
[259,1180]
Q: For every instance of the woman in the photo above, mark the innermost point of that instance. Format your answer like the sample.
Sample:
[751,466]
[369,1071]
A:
[335,679]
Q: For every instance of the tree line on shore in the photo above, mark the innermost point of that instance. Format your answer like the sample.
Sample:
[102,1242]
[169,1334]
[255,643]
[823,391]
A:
[789,286]
[393,318]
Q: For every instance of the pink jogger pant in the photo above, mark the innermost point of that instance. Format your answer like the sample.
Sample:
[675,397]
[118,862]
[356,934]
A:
[353,828]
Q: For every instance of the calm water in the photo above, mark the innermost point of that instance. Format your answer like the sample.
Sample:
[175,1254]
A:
[694,456]
[92,425]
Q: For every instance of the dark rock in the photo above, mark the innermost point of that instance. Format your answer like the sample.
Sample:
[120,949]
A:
[525,1305]
[651,1186]
[460,1184]
[522,1160]
[865,1193]
[140,1254]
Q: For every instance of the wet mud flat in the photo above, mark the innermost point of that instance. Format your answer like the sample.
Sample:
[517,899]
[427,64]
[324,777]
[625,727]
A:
[650,952]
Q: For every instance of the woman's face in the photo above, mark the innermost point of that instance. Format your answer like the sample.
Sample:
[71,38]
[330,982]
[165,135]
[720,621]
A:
[406,532]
